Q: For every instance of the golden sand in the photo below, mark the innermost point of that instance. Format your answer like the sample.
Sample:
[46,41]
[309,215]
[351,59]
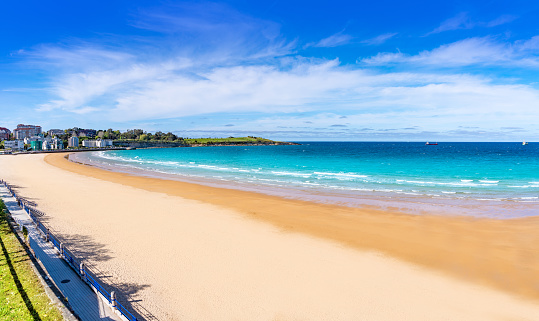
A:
[502,253]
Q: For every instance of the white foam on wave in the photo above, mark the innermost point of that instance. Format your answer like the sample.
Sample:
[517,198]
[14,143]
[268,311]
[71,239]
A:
[215,168]
[348,175]
[486,181]
[165,163]
[281,173]
[421,183]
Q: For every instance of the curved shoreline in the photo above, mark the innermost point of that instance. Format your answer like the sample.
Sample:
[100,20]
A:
[260,180]
[500,253]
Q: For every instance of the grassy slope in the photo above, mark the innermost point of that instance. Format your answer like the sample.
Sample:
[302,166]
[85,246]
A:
[227,140]
[22,296]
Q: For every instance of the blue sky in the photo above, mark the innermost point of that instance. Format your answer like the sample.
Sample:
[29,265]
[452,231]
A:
[294,70]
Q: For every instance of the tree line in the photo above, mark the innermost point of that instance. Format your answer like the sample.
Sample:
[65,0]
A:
[130,134]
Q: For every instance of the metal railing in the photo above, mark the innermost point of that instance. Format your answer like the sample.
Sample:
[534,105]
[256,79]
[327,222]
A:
[76,264]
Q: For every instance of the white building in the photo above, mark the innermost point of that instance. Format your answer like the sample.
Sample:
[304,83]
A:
[73,142]
[52,143]
[46,143]
[89,143]
[14,144]
[29,140]
[101,143]
[57,143]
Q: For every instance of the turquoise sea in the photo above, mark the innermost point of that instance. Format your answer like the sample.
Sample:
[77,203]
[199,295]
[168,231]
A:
[482,179]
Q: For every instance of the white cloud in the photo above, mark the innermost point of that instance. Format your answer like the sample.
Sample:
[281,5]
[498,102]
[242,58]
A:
[463,21]
[380,39]
[78,89]
[206,28]
[383,58]
[471,51]
[501,20]
[375,100]
[77,56]
[335,40]
[460,21]
[528,45]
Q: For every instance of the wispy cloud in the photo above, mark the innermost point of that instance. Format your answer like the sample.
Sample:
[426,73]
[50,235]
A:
[531,45]
[501,20]
[222,28]
[471,51]
[338,39]
[385,99]
[464,21]
[380,39]
[460,21]
[76,56]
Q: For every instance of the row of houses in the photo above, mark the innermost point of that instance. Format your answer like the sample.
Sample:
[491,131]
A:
[32,135]
[99,143]
[35,142]
[24,131]
[47,143]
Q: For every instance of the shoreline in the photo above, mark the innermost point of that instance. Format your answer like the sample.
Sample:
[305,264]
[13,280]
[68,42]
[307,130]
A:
[403,202]
[491,252]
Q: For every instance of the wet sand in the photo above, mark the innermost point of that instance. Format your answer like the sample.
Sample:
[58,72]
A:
[202,253]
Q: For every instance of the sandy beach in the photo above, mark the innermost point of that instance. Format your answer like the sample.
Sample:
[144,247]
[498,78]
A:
[191,252]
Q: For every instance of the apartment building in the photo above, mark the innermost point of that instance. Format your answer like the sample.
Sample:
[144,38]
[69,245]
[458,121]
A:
[73,142]
[22,131]
[14,144]
[4,133]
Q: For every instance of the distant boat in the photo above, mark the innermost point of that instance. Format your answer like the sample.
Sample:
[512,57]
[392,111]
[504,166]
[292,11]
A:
[427,143]
[524,143]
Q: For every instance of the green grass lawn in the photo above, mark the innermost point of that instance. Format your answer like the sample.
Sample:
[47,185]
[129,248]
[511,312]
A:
[22,296]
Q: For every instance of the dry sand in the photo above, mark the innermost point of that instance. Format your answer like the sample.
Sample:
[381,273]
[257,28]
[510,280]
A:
[192,252]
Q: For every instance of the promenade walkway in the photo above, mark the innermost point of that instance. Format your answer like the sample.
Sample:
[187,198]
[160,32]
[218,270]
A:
[85,302]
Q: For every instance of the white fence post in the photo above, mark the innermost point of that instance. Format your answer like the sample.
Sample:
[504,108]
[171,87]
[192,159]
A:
[81,270]
[113,299]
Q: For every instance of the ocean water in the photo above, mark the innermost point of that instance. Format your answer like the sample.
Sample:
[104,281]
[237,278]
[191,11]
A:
[481,179]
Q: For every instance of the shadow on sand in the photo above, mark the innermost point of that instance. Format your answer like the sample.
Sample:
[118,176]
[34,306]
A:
[87,249]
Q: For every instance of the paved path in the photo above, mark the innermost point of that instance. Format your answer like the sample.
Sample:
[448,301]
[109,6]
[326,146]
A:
[82,299]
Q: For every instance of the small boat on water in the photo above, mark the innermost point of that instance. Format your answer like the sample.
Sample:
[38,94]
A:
[427,143]
[524,143]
